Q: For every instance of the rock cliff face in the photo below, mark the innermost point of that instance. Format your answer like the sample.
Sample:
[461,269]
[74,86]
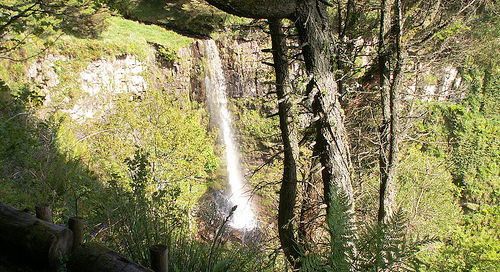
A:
[102,81]
[97,85]
[244,69]
[242,61]
[42,72]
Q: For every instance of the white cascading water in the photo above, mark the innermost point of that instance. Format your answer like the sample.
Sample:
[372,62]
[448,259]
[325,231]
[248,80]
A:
[215,82]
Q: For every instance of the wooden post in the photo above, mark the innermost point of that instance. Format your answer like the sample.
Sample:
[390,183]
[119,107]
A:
[43,212]
[76,224]
[159,258]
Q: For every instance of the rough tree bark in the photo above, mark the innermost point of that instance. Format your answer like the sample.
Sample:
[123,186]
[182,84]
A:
[317,40]
[288,192]
[390,65]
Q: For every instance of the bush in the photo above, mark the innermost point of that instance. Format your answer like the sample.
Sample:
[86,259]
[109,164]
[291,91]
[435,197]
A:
[86,24]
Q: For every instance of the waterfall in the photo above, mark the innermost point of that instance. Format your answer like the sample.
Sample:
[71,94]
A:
[215,82]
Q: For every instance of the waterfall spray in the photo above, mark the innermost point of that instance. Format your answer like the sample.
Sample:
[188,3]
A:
[215,82]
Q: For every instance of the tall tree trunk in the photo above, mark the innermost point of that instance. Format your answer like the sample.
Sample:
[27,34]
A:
[318,44]
[316,37]
[288,192]
[390,65]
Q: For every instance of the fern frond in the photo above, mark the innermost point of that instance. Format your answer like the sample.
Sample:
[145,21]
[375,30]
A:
[386,246]
[340,220]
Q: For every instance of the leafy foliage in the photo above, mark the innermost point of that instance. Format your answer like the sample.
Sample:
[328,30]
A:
[145,212]
[380,246]
[424,178]
[473,128]
[22,20]
[35,168]
[87,22]
[258,132]
[473,246]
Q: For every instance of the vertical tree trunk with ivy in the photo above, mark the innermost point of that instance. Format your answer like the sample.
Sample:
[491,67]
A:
[390,67]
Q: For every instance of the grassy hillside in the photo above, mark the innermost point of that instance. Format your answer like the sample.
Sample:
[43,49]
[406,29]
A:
[120,37]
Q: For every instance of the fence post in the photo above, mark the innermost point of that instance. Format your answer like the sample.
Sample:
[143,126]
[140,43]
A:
[76,224]
[44,213]
[159,258]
